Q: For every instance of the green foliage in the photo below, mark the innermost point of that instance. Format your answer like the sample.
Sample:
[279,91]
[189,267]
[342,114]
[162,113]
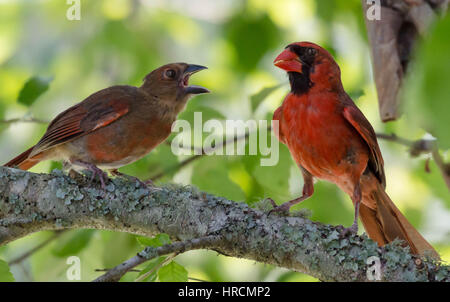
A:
[208,112]
[152,267]
[72,243]
[173,272]
[427,90]
[161,159]
[243,31]
[212,176]
[328,196]
[112,255]
[274,179]
[260,96]
[158,240]
[433,178]
[5,274]
[32,89]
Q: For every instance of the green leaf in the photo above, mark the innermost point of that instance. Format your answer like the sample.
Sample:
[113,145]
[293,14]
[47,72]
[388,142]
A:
[72,243]
[55,165]
[158,240]
[151,266]
[32,89]
[5,274]
[260,96]
[173,272]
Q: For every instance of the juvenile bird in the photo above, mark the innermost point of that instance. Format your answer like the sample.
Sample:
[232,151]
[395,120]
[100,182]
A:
[330,138]
[117,125]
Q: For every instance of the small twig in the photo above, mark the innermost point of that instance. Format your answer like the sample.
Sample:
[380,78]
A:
[443,167]
[24,120]
[394,138]
[421,146]
[415,147]
[139,270]
[176,167]
[143,276]
[149,253]
[196,279]
[36,248]
[108,269]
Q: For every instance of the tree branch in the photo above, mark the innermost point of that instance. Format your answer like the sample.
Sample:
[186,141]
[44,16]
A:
[422,146]
[32,202]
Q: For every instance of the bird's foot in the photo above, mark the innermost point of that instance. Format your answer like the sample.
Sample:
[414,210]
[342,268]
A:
[96,171]
[353,229]
[283,208]
[102,176]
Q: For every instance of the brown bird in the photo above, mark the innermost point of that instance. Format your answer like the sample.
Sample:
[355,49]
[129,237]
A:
[330,138]
[117,125]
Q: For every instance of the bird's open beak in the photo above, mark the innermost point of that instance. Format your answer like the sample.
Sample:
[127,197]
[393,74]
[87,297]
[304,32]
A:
[193,89]
[288,61]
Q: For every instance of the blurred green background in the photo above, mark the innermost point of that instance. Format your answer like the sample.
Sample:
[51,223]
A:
[120,41]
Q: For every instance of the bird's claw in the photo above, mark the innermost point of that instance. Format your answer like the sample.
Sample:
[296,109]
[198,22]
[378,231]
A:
[102,176]
[283,208]
[353,229]
[272,202]
[96,171]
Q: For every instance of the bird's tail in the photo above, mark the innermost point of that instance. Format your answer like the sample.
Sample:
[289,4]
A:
[384,222]
[23,161]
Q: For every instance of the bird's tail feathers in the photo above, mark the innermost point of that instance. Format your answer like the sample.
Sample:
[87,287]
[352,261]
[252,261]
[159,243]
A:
[385,223]
[23,161]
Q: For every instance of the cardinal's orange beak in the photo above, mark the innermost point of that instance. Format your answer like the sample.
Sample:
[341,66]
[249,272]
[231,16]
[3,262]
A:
[288,61]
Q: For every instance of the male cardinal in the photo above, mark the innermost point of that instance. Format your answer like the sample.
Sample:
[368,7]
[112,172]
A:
[330,138]
[117,125]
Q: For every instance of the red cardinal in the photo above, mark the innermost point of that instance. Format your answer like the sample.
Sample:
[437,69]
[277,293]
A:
[330,138]
[117,125]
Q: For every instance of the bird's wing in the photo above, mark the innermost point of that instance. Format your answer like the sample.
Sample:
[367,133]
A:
[276,126]
[357,119]
[97,111]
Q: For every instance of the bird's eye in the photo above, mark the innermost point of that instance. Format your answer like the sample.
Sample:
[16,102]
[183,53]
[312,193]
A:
[311,52]
[170,73]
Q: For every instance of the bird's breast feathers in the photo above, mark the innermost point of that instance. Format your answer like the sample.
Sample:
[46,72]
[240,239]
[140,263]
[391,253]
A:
[318,136]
